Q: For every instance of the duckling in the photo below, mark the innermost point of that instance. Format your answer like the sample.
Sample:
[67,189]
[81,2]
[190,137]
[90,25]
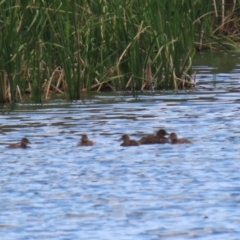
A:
[85,141]
[174,139]
[127,141]
[154,139]
[22,144]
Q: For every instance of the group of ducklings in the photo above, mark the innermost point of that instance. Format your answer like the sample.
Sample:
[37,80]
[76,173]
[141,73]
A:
[159,138]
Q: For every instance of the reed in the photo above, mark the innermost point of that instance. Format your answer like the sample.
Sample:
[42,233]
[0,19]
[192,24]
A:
[219,25]
[72,47]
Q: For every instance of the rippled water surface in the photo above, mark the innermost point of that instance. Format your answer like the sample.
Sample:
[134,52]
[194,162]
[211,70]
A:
[55,190]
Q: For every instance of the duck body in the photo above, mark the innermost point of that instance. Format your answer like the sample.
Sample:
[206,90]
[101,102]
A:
[85,141]
[151,139]
[159,138]
[127,142]
[175,140]
[22,144]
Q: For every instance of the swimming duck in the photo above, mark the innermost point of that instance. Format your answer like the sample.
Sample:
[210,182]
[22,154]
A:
[154,139]
[22,144]
[84,141]
[174,139]
[127,141]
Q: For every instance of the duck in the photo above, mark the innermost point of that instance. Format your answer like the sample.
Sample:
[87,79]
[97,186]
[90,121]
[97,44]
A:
[174,139]
[127,141]
[23,144]
[85,141]
[155,139]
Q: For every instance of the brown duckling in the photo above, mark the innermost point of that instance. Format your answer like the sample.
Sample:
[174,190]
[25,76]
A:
[22,144]
[85,141]
[127,141]
[155,139]
[174,139]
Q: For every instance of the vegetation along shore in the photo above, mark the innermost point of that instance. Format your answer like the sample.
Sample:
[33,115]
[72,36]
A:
[74,47]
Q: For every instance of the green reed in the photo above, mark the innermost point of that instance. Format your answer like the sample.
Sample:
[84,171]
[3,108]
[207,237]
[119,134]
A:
[73,47]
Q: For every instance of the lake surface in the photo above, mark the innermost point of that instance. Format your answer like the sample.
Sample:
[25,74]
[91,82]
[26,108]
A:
[55,190]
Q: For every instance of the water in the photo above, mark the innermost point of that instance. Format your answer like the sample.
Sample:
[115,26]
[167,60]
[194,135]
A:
[55,190]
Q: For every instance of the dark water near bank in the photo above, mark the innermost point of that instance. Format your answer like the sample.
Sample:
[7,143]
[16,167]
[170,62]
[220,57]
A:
[55,190]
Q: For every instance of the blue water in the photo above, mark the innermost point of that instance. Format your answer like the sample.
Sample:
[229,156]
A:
[55,190]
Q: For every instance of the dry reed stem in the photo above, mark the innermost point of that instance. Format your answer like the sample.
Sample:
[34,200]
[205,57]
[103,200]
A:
[50,82]
[61,79]
[185,63]
[100,86]
[113,88]
[96,80]
[30,88]
[95,85]
[128,83]
[57,89]
[144,85]
[222,25]
[185,82]
[223,11]
[83,90]
[148,76]
[6,88]
[175,82]
[19,92]
[194,77]
[9,95]
[215,8]
[204,15]
[234,5]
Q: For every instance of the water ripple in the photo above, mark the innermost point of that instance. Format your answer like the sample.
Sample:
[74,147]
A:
[55,190]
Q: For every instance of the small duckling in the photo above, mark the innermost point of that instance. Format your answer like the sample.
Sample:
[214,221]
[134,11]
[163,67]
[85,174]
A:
[127,141]
[22,144]
[84,141]
[174,139]
[155,139]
